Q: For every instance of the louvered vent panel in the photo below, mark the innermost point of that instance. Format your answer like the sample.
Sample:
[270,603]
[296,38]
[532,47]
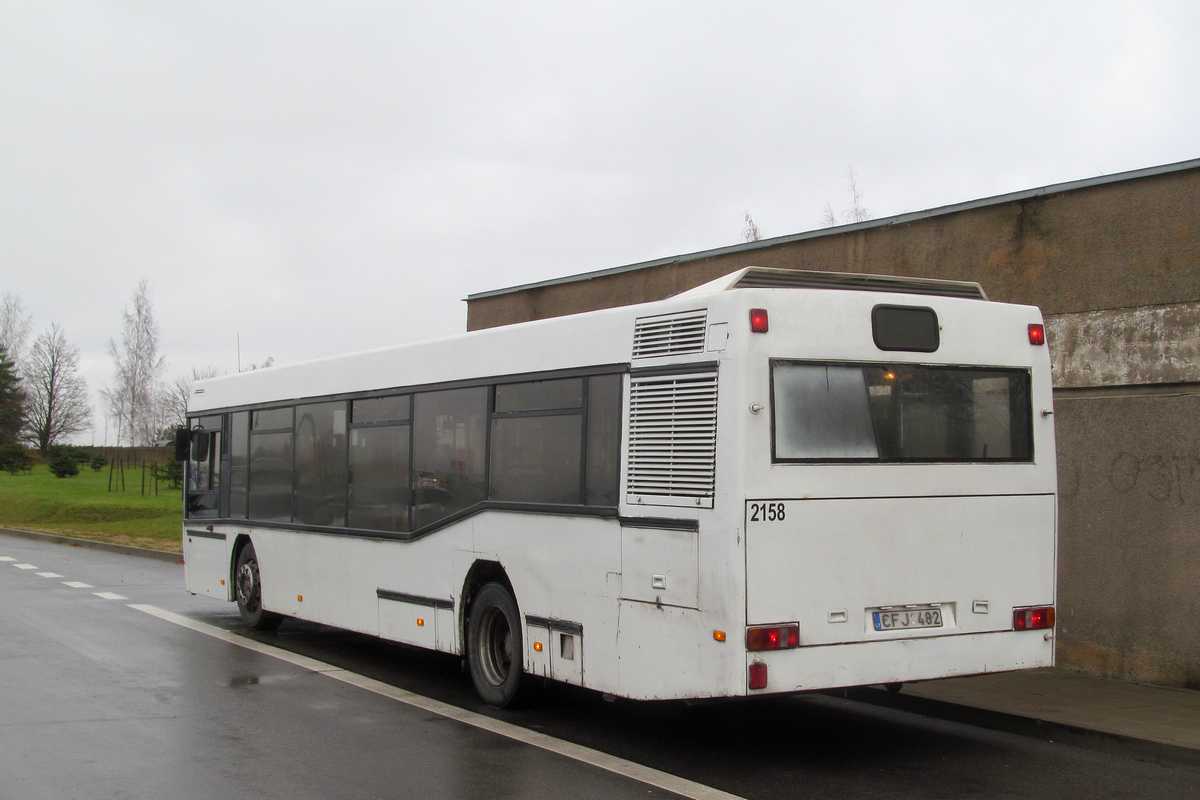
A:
[669,334]
[673,436]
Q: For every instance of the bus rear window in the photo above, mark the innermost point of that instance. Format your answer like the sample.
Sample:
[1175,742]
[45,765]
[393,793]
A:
[899,413]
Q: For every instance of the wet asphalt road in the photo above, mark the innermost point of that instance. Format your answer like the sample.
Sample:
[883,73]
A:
[100,700]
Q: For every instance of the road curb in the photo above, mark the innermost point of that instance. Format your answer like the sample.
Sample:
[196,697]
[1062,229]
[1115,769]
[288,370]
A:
[1167,755]
[158,555]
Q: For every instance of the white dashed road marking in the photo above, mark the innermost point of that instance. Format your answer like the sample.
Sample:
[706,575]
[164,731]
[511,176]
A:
[24,566]
[77,584]
[110,595]
[638,772]
[7,558]
[49,575]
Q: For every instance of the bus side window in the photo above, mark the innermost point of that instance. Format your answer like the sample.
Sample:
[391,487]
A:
[537,442]
[449,431]
[239,463]
[380,492]
[320,461]
[603,440]
[271,465]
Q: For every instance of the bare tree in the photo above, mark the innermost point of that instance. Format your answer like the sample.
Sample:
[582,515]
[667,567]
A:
[15,326]
[131,400]
[750,233]
[179,392]
[857,212]
[58,405]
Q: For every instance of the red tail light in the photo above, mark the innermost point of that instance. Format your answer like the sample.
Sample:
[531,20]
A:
[758,675]
[1037,333]
[758,320]
[1033,619]
[773,637]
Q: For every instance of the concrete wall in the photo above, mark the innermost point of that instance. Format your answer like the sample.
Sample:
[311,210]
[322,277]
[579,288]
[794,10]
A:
[1115,266]
[1129,533]
[1115,245]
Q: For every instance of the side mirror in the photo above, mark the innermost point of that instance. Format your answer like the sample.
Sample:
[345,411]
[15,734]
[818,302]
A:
[183,439]
[200,441]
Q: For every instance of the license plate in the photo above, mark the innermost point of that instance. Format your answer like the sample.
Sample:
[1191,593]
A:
[908,619]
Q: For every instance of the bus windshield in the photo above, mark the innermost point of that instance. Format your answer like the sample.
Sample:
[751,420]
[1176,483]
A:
[899,413]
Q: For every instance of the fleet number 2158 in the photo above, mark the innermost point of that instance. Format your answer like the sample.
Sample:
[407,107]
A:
[766,512]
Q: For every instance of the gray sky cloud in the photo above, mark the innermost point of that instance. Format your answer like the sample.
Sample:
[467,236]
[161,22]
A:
[327,177]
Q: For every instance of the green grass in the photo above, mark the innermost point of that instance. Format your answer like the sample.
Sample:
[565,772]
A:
[82,507]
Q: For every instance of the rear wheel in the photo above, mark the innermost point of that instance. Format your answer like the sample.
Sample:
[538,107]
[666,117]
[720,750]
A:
[494,645]
[247,586]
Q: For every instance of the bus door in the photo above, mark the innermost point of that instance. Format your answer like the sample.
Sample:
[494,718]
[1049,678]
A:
[206,551]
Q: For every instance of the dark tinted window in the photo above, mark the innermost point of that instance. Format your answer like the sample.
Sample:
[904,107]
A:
[449,434]
[239,463]
[603,440]
[536,459]
[539,395]
[276,418]
[379,478]
[381,409]
[909,328]
[321,464]
[271,476]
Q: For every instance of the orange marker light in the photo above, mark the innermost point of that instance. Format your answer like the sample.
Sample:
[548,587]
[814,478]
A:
[222,581]
[537,646]
[719,635]
[420,622]
[300,598]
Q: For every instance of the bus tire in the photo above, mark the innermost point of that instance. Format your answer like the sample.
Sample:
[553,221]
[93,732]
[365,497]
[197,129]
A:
[247,589]
[495,653]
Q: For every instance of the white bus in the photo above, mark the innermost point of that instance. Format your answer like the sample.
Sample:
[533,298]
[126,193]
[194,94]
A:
[780,481]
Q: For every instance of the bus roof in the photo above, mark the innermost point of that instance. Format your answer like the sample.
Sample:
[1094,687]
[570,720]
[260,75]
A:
[599,338]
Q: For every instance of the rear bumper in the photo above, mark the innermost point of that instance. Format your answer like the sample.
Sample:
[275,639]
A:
[898,660]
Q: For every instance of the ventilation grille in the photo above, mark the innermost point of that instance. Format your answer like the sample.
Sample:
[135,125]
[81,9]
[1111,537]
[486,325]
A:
[672,439]
[669,334]
[802,279]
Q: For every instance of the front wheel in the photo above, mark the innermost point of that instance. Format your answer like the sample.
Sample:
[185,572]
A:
[247,585]
[494,648]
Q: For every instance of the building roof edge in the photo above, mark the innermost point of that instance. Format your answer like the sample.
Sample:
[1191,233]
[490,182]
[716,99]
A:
[898,219]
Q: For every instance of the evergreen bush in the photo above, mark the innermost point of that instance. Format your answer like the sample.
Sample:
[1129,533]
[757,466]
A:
[64,465]
[15,458]
[174,473]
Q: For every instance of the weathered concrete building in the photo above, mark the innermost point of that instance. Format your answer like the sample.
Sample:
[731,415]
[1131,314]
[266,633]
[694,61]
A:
[1114,263]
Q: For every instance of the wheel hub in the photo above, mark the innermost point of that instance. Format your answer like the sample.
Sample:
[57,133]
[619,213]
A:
[247,585]
[496,647]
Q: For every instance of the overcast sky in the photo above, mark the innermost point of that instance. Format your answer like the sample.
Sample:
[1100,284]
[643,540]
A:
[327,177]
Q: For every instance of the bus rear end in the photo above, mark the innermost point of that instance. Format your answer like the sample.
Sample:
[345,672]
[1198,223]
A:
[900,509]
